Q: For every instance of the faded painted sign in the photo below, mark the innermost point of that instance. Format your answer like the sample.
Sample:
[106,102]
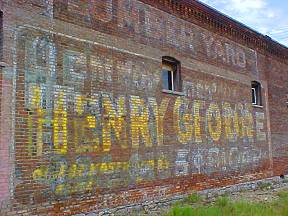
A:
[89,120]
[142,22]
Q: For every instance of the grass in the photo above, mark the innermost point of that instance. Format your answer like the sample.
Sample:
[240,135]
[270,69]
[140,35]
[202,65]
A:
[193,198]
[283,194]
[224,207]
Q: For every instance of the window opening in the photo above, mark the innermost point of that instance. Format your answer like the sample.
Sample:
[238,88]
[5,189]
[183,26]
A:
[171,79]
[256,93]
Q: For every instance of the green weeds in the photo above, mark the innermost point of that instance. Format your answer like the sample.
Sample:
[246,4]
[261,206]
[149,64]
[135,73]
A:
[224,207]
[193,198]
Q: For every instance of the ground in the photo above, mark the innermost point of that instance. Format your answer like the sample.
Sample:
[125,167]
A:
[267,198]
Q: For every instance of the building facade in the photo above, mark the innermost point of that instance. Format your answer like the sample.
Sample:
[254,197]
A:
[118,102]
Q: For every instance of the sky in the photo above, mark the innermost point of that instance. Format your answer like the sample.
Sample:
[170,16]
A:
[269,17]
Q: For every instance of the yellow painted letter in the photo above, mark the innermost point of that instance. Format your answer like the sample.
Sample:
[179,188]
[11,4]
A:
[183,121]
[139,122]
[214,121]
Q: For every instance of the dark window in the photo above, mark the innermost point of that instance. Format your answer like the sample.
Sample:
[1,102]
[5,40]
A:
[171,77]
[256,93]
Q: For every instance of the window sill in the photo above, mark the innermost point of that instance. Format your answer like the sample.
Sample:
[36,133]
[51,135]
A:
[173,92]
[3,64]
[257,106]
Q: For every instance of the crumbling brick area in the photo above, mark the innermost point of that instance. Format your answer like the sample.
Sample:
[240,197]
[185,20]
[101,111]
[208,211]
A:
[87,126]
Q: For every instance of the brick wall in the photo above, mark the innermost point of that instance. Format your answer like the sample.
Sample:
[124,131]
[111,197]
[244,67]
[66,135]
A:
[278,88]
[85,124]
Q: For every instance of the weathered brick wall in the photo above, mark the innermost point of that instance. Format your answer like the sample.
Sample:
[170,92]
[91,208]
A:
[85,124]
[278,96]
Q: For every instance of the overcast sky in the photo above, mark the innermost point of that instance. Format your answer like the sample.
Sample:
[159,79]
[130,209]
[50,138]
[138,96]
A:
[269,17]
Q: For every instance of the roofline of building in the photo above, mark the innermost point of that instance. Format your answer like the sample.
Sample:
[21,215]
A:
[231,18]
[201,14]
[242,24]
